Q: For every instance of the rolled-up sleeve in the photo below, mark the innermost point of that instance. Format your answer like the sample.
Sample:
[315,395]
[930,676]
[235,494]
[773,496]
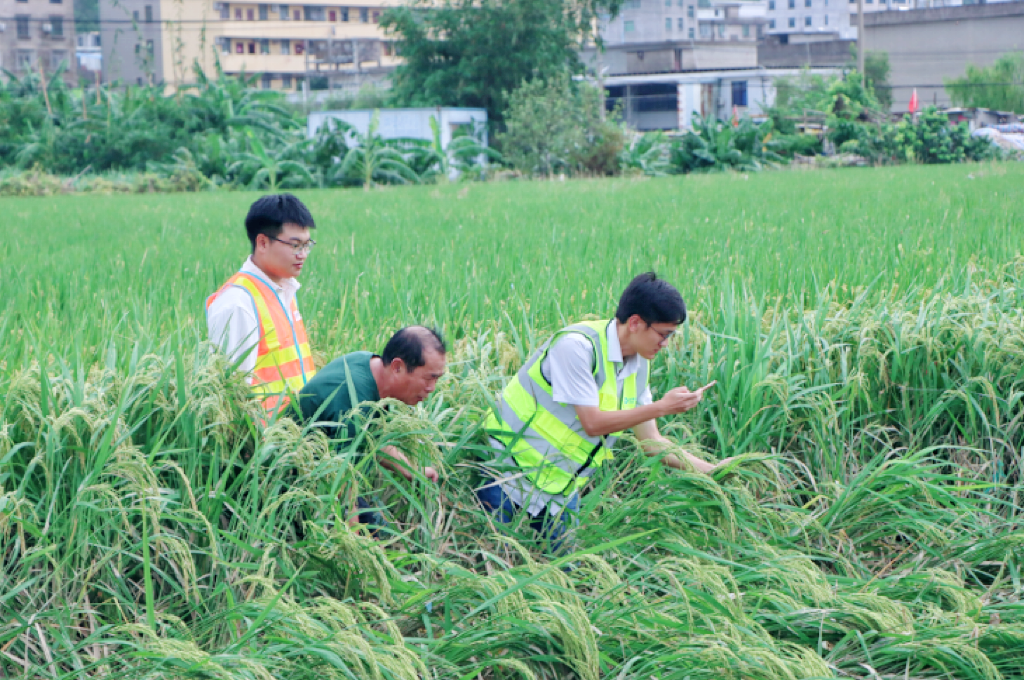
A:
[569,368]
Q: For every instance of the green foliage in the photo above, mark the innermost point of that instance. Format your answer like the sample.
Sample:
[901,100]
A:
[999,86]
[717,145]
[558,126]
[647,154]
[474,53]
[927,139]
[867,348]
[876,70]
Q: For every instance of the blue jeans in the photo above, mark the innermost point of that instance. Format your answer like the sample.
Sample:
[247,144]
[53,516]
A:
[553,527]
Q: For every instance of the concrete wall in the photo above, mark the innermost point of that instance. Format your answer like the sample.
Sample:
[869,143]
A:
[21,53]
[670,57]
[795,55]
[925,46]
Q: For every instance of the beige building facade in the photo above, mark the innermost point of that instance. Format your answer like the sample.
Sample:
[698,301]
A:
[329,43]
[37,34]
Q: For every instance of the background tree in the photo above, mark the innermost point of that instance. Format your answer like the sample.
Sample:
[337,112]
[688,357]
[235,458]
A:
[552,127]
[999,86]
[876,70]
[473,52]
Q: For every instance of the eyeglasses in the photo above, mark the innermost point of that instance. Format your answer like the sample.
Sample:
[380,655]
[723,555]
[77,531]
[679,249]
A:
[297,246]
[665,335]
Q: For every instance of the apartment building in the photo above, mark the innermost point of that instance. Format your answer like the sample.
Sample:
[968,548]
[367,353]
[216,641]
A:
[37,34]
[804,20]
[330,42]
[668,21]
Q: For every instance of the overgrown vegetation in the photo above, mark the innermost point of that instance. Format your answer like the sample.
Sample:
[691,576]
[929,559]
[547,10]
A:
[867,349]
[999,86]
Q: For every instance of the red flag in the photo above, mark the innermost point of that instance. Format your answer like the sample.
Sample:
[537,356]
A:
[735,116]
[913,101]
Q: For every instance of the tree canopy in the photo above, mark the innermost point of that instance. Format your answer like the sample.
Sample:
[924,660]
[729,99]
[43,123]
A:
[999,86]
[474,52]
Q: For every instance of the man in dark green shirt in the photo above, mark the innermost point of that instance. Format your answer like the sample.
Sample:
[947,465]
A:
[408,370]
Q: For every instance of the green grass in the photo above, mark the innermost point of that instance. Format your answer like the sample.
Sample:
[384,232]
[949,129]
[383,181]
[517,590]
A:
[865,328]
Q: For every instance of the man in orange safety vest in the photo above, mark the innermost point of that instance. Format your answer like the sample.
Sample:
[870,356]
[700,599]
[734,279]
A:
[254,317]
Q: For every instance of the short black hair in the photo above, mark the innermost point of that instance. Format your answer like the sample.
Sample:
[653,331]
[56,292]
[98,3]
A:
[270,213]
[409,344]
[654,300]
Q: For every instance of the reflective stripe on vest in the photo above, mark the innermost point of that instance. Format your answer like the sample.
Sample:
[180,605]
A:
[545,437]
[284,362]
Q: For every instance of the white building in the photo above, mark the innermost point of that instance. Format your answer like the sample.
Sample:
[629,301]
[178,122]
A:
[803,20]
[407,123]
[668,101]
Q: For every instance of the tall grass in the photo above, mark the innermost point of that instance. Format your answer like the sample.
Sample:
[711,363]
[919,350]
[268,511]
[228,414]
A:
[864,328]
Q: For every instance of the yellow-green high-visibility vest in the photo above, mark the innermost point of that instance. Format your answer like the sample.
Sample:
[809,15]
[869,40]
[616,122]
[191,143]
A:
[545,438]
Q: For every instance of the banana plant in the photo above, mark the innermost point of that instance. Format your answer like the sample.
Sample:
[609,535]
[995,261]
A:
[370,160]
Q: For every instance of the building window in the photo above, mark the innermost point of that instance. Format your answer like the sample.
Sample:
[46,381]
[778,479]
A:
[315,14]
[721,30]
[135,16]
[705,30]
[138,48]
[149,14]
[252,48]
[57,27]
[364,15]
[266,81]
[286,81]
[149,48]
[739,93]
[332,16]
[807,21]
[680,23]
[57,58]
[627,26]
[297,15]
[344,13]
[792,4]
[56,2]
[691,33]
[225,11]
[826,20]
[25,59]
[868,2]
[771,4]
[239,48]
[771,24]
[264,13]
[668,23]
[792,22]
[250,15]
[22,22]
[300,47]
[807,3]
[286,47]
[746,30]
[632,4]
[264,46]
[238,14]
[689,11]
[376,16]
[283,12]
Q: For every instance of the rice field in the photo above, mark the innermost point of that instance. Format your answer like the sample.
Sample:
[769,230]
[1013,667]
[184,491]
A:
[865,327]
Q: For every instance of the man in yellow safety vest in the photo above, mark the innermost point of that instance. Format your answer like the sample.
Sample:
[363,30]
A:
[254,316]
[563,411]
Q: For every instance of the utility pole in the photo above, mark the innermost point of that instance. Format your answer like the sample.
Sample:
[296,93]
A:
[860,41]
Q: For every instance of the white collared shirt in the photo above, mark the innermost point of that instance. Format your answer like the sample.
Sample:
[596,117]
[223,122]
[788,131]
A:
[231,319]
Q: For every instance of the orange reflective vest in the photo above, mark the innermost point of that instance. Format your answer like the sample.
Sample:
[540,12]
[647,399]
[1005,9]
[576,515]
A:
[284,362]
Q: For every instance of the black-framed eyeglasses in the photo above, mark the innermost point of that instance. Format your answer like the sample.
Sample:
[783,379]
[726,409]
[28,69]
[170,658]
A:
[665,335]
[296,246]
